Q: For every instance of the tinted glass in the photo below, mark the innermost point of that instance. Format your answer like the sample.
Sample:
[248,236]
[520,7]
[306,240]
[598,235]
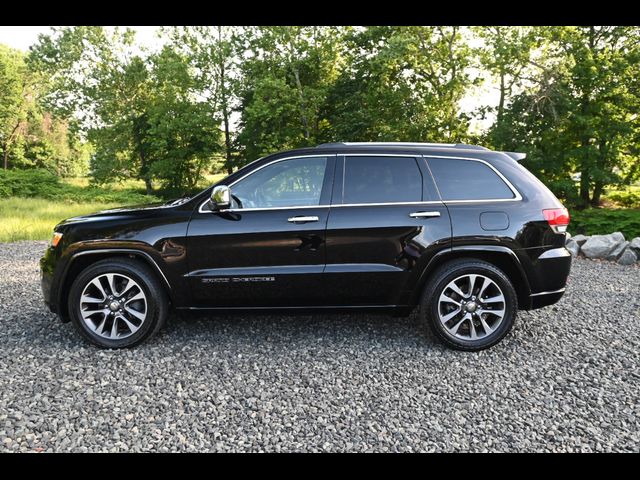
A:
[467,180]
[382,180]
[290,183]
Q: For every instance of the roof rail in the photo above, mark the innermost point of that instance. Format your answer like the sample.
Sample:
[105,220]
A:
[402,144]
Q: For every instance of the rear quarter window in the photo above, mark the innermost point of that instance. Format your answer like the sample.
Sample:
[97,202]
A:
[468,180]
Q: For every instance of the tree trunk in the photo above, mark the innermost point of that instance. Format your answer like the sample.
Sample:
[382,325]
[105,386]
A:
[148,185]
[597,193]
[227,142]
[144,173]
[501,101]
[584,187]
[5,156]
[225,120]
[585,178]
[303,115]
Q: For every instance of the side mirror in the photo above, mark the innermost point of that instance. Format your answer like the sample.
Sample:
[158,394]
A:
[220,197]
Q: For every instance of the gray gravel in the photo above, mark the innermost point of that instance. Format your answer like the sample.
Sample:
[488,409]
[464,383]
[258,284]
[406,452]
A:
[566,379]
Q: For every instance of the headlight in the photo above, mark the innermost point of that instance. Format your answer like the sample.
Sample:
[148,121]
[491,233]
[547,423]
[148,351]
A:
[55,240]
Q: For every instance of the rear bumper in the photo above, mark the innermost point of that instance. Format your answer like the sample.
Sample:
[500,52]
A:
[542,299]
[548,275]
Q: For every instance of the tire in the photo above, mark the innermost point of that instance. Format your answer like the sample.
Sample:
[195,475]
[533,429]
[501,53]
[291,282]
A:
[478,324]
[138,293]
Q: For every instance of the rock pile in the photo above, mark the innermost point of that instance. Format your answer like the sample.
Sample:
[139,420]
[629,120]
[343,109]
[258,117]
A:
[612,247]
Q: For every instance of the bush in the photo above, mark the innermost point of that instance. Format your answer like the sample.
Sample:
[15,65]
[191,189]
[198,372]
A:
[44,184]
[625,199]
[27,183]
[598,221]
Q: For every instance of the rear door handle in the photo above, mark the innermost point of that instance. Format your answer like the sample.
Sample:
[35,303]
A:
[302,219]
[424,214]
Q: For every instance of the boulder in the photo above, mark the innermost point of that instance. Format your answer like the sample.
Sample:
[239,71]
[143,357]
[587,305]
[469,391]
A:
[628,257]
[635,244]
[617,251]
[573,247]
[580,239]
[600,246]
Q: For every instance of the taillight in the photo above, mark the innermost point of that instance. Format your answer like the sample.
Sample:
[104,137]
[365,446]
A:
[558,218]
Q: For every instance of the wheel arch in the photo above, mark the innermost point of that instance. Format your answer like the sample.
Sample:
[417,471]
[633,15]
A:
[81,260]
[502,257]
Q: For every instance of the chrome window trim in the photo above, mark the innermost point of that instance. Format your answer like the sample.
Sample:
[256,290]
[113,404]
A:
[514,190]
[517,198]
[267,209]
[200,210]
[386,204]
[339,205]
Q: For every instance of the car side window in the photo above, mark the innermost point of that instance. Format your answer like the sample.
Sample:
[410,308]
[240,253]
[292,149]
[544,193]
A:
[295,182]
[378,179]
[468,180]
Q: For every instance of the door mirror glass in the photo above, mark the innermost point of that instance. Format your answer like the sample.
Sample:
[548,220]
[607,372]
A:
[220,197]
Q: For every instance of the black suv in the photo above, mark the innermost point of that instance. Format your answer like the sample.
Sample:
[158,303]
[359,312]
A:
[464,233]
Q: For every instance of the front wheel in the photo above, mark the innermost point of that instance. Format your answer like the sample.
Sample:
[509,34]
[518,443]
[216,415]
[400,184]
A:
[469,304]
[117,303]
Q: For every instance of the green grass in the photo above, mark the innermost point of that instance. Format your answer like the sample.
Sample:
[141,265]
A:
[34,218]
[34,203]
[598,221]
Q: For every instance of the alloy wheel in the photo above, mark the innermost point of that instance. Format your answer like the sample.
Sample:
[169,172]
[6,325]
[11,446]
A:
[113,306]
[471,307]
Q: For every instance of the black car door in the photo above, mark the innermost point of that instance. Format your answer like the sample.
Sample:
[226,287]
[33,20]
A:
[386,219]
[268,249]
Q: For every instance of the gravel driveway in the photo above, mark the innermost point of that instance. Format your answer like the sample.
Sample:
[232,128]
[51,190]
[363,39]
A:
[567,378]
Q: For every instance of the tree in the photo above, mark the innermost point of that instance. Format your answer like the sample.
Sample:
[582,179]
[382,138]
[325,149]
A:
[402,83]
[50,144]
[581,113]
[139,112]
[604,79]
[16,99]
[506,54]
[286,75]
[184,133]
[211,54]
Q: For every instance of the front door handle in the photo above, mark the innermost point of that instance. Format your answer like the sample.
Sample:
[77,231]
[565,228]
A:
[302,219]
[424,214]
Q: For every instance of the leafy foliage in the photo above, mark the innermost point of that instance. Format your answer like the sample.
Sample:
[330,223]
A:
[215,98]
[581,113]
[44,184]
[141,114]
[627,199]
[596,221]
[286,75]
[29,136]
[401,84]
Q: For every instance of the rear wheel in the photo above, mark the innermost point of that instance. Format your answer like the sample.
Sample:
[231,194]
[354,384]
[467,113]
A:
[117,303]
[469,304]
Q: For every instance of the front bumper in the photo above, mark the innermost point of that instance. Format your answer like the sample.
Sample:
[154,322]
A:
[45,283]
[48,264]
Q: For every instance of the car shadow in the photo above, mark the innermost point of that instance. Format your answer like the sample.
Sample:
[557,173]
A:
[243,330]
[296,328]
